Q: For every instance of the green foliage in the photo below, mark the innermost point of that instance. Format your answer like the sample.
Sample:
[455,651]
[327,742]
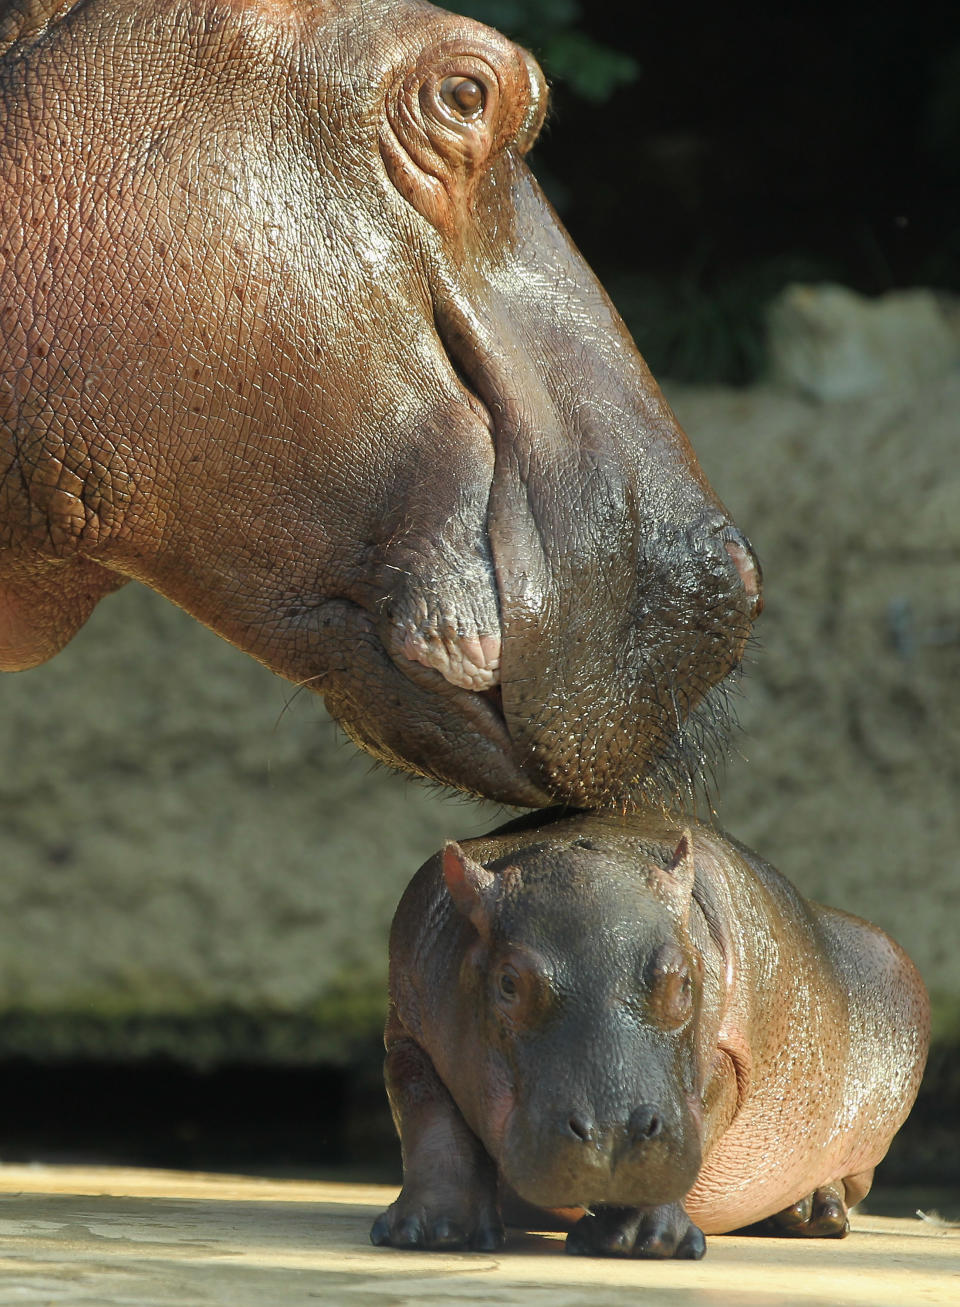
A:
[591,70]
[550,29]
[515,16]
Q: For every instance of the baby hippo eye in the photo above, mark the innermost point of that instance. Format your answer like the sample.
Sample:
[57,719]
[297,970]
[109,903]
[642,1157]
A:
[463,95]
[671,994]
[676,996]
[520,991]
[508,984]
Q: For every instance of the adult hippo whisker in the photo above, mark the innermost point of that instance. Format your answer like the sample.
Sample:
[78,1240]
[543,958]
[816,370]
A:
[297,690]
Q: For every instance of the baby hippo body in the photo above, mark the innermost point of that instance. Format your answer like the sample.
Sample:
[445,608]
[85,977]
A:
[643,1022]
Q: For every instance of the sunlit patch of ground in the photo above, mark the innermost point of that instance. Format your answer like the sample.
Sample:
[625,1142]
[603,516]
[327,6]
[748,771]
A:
[138,1238]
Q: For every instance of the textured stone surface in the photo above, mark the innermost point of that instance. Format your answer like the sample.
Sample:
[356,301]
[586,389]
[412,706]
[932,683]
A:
[847,770]
[830,343]
[185,837]
[151,1238]
[191,859]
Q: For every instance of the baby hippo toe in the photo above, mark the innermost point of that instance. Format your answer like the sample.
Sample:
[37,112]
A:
[650,1232]
[402,1226]
[818,1215]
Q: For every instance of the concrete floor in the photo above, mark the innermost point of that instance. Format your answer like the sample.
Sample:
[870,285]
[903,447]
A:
[111,1237]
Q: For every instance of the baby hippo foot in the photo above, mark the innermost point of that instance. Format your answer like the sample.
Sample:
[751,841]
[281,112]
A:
[425,1220]
[819,1215]
[637,1232]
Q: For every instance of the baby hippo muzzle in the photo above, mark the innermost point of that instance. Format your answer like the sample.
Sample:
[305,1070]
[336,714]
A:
[571,1160]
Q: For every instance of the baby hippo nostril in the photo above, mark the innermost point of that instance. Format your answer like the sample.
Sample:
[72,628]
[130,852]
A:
[581,1126]
[644,1123]
[745,561]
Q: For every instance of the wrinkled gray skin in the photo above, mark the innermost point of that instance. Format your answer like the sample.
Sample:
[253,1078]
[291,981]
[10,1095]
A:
[289,333]
[641,1020]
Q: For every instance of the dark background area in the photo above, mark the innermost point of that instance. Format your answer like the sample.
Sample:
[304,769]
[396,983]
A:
[703,156]
[327,1122]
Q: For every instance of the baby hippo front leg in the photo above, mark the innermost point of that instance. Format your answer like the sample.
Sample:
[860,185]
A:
[637,1232]
[449,1195]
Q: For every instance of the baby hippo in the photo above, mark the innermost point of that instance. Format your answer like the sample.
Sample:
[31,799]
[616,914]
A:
[643,1022]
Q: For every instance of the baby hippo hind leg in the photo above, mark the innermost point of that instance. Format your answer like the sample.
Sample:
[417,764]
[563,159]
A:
[822,1214]
[449,1194]
[637,1232]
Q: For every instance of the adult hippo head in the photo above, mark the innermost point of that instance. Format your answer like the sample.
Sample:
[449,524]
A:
[289,333]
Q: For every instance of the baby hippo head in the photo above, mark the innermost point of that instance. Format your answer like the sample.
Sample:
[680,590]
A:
[584,988]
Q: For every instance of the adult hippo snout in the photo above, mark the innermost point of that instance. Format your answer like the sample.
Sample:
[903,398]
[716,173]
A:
[292,336]
[599,588]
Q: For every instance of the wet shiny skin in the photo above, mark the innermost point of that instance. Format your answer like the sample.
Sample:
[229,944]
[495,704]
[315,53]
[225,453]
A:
[295,339]
[655,974]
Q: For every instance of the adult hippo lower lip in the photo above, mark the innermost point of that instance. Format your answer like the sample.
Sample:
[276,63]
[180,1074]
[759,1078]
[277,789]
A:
[289,333]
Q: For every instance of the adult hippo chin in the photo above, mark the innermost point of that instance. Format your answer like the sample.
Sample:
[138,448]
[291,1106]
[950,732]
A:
[289,333]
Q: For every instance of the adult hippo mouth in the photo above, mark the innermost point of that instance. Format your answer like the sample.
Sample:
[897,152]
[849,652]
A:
[561,625]
[293,337]
[554,646]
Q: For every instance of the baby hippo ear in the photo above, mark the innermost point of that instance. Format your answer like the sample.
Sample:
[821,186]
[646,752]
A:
[676,881]
[471,886]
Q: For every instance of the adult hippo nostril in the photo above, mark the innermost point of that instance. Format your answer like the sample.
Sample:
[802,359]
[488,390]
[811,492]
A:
[745,560]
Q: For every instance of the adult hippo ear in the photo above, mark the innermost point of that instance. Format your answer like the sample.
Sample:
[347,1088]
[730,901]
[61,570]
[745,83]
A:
[289,334]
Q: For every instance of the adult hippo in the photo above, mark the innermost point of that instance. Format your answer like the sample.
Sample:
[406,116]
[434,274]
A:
[289,333]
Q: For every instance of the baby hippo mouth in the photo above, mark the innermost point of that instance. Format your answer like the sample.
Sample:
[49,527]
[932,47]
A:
[648,1156]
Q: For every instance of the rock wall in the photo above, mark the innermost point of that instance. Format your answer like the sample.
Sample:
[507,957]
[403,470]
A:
[847,769]
[193,861]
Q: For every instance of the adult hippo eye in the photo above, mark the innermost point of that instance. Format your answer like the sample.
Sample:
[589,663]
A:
[449,116]
[464,96]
